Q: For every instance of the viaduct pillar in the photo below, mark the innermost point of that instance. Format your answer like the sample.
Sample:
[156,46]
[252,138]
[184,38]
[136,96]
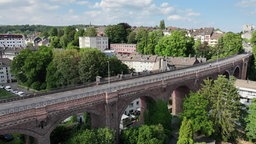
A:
[244,69]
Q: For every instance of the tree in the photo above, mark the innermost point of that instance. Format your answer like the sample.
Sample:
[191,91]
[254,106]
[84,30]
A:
[92,63]
[153,134]
[174,45]
[224,105]
[78,34]
[132,38]
[84,137]
[90,32]
[117,67]
[158,113]
[162,24]
[64,69]
[253,38]
[130,135]
[55,42]
[251,121]
[195,108]
[30,67]
[152,40]
[252,63]
[232,44]
[105,136]
[116,33]
[99,136]
[53,32]
[186,132]
[17,65]
[141,38]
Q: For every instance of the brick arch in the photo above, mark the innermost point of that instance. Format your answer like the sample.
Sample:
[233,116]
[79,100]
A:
[25,131]
[96,116]
[145,96]
[123,105]
[226,74]
[29,128]
[236,72]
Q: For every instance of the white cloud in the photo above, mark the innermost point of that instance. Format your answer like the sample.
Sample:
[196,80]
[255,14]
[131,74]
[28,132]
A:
[247,3]
[175,17]
[123,3]
[65,12]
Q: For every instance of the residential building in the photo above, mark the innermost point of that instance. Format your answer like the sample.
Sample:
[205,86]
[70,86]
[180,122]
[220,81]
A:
[12,41]
[10,53]
[214,38]
[208,35]
[141,63]
[247,31]
[123,48]
[5,71]
[134,106]
[101,43]
[246,90]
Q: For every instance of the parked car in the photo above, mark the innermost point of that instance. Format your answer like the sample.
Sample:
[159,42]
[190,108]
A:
[1,86]
[6,137]
[21,94]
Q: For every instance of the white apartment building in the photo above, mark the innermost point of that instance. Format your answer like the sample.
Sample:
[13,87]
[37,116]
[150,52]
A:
[142,63]
[5,71]
[12,41]
[246,90]
[101,43]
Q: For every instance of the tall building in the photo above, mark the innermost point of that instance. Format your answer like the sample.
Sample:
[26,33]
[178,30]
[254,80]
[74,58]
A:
[12,41]
[101,43]
[5,71]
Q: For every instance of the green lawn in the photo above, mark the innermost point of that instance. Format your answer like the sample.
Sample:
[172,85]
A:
[5,94]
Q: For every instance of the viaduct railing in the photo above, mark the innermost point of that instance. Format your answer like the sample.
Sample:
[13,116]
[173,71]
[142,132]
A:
[187,73]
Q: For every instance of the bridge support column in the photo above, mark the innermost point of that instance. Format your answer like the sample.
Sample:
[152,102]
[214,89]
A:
[43,140]
[27,139]
[177,100]
[111,111]
[244,69]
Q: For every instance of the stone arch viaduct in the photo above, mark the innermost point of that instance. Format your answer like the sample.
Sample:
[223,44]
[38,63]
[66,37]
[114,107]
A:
[38,116]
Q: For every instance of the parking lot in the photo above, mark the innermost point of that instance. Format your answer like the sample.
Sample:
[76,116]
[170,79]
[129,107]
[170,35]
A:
[14,88]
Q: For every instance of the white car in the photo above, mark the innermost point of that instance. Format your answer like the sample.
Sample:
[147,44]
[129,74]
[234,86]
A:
[21,94]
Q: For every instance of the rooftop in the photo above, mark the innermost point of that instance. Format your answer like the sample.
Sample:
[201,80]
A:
[245,84]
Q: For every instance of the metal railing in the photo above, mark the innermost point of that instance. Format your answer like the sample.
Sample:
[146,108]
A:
[123,84]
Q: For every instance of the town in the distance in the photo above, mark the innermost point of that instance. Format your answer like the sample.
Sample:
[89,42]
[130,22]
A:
[108,84]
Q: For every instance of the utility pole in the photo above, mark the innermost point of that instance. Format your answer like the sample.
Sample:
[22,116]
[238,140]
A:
[108,76]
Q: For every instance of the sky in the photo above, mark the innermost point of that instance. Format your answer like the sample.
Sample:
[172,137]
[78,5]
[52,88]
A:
[227,15]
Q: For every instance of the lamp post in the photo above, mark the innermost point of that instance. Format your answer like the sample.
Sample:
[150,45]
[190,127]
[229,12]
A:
[108,76]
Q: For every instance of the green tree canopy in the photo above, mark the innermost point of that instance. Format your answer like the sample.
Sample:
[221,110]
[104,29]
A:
[224,105]
[162,24]
[230,44]
[251,121]
[99,136]
[132,38]
[186,132]
[154,134]
[90,32]
[158,113]
[177,44]
[141,38]
[152,40]
[117,33]
[195,108]
[30,67]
